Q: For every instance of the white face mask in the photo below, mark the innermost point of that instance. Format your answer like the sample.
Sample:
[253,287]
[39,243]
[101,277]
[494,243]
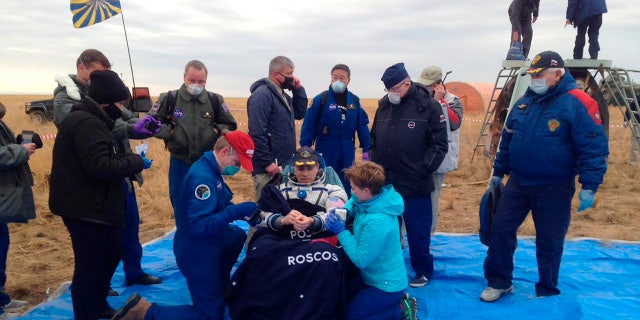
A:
[394,97]
[338,86]
[194,89]
[539,86]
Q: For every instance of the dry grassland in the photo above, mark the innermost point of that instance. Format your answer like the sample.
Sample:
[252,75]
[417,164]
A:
[40,255]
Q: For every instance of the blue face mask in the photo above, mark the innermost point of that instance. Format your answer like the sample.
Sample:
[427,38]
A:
[230,170]
[338,86]
[539,86]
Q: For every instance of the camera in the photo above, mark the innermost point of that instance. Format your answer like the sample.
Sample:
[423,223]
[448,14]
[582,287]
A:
[29,137]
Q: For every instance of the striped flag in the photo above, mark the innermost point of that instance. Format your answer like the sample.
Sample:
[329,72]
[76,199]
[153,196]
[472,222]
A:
[89,12]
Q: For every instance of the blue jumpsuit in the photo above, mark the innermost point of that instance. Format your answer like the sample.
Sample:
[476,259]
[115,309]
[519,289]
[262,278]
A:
[547,140]
[334,136]
[205,245]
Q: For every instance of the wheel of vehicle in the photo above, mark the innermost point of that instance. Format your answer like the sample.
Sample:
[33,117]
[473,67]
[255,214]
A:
[38,117]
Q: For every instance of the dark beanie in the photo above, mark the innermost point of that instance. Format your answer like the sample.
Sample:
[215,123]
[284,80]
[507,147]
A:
[106,87]
[394,75]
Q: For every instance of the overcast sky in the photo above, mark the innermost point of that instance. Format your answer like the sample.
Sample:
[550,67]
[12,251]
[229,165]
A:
[237,38]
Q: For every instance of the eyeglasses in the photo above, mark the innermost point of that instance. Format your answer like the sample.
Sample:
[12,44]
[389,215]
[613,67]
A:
[396,88]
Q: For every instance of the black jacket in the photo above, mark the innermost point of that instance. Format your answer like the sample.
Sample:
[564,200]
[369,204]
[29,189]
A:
[86,173]
[409,140]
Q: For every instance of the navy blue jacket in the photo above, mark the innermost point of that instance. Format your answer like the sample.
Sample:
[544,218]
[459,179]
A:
[410,140]
[579,11]
[272,123]
[549,138]
[337,142]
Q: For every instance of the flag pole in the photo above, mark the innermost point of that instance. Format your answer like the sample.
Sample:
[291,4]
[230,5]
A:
[133,79]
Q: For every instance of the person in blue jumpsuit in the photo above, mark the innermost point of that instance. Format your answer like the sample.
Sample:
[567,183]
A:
[332,126]
[206,246]
[551,134]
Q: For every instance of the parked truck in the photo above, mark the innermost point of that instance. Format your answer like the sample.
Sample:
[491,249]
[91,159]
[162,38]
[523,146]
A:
[40,111]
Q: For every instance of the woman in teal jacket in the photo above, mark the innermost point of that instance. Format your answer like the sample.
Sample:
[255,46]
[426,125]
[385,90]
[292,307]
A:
[373,244]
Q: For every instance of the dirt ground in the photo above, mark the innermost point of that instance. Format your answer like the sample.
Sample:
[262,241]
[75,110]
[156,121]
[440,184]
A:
[40,256]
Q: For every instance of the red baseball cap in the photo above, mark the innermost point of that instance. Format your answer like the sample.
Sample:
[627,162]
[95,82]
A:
[243,145]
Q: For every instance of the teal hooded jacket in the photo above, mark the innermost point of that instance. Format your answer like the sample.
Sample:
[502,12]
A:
[374,245]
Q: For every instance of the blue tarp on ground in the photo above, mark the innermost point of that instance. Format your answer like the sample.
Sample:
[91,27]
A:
[598,281]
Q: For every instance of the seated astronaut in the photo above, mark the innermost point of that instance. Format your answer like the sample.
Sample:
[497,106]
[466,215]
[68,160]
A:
[301,272]
[310,197]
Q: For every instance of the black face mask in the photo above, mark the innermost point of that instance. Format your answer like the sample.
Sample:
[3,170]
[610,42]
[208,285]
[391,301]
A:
[113,111]
[288,83]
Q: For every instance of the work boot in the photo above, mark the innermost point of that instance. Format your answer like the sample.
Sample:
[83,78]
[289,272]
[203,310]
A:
[145,280]
[134,309]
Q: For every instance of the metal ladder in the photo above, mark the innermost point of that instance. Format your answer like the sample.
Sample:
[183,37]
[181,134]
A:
[624,95]
[509,70]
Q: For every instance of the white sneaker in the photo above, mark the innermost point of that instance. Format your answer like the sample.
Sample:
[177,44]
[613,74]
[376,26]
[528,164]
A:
[491,294]
[15,305]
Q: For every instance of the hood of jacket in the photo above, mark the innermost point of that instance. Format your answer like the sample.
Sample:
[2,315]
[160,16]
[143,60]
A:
[388,201]
[70,84]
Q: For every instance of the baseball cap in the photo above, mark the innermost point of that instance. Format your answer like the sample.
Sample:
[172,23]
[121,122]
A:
[305,156]
[543,61]
[430,75]
[243,145]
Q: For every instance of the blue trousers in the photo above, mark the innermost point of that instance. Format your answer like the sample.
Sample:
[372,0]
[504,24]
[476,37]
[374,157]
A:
[417,217]
[97,249]
[4,251]
[177,171]
[551,211]
[371,303]
[132,250]
[592,28]
[206,267]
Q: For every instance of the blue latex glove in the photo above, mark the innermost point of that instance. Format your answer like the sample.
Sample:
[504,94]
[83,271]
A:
[365,156]
[334,223]
[495,181]
[586,199]
[243,211]
[147,163]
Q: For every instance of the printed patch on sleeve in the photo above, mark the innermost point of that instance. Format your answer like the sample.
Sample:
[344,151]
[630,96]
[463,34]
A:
[203,192]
